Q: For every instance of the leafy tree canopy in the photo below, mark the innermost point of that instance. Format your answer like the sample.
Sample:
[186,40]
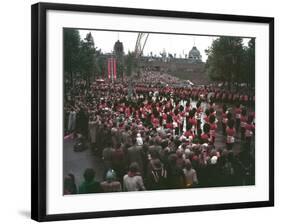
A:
[231,62]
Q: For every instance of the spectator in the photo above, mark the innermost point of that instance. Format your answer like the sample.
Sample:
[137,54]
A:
[133,181]
[157,176]
[119,161]
[90,185]
[175,175]
[93,125]
[110,184]
[136,154]
[190,175]
[69,185]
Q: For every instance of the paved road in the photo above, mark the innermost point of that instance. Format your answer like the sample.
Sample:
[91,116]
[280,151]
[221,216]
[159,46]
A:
[77,162]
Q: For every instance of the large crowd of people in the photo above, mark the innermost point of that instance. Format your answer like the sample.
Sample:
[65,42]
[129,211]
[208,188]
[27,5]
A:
[160,135]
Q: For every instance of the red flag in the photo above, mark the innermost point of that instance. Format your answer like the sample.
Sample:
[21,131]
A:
[114,68]
[108,68]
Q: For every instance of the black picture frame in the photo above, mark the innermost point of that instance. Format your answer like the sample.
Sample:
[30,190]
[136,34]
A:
[38,116]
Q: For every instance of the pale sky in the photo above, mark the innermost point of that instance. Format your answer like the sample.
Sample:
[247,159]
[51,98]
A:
[156,43]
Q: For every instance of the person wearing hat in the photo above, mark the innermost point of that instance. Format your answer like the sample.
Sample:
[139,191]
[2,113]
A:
[213,127]
[110,184]
[189,133]
[244,119]
[205,136]
[237,112]
[230,134]
[224,118]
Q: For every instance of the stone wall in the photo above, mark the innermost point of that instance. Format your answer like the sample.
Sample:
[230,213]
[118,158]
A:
[182,68]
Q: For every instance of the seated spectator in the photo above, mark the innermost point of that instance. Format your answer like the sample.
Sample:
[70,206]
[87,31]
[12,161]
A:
[69,186]
[110,184]
[90,185]
[133,180]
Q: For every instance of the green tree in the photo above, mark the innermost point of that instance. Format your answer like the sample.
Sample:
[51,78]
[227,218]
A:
[130,63]
[100,62]
[225,60]
[71,46]
[87,61]
[250,62]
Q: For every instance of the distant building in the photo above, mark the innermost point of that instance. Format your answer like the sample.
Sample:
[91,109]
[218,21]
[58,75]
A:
[118,49]
[194,55]
[191,67]
[188,68]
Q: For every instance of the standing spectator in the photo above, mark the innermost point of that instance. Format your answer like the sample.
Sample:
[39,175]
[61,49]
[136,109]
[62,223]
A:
[157,176]
[226,169]
[190,175]
[93,123]
[115,138]
[82,122]
[175,175]
[71,120]
[107,155]
[118,161]
[213,172]
[136,154]
[126,136]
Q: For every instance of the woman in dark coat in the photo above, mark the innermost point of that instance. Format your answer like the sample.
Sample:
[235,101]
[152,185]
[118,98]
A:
[157,175]
[175,175]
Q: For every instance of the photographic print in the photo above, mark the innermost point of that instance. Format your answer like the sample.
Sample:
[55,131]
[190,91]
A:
[141,111]
[155,111]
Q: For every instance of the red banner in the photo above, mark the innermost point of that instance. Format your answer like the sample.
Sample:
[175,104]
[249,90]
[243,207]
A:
[108,68]
[111,68]
[114,69]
